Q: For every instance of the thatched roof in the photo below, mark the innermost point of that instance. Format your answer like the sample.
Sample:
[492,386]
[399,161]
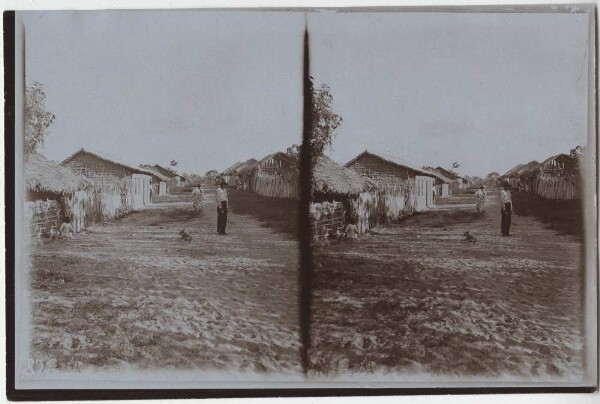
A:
[247,168]
[513,170]
[560,162]
[108,159]
[330,177]
[529,169]
[523,170]
[438,175]
[448,174]
[165,171]
[231,170]
[155,172]
[279,160]
[390,159]
[43,175]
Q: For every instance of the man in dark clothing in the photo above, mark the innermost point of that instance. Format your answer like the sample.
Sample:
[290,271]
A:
[222,207]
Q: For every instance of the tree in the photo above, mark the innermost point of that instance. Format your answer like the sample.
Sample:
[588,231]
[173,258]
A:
[37,118]
[324,122]
[492,178]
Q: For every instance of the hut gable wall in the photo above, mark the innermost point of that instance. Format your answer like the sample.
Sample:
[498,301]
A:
[381,170]
[94,167]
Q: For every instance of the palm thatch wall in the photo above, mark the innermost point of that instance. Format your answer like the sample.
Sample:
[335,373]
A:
[557,177]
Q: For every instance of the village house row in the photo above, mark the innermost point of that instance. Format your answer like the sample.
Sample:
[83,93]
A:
[371,189]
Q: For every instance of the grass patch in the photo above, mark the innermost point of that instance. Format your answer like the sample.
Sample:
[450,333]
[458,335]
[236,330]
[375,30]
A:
[563,216]
[279,214]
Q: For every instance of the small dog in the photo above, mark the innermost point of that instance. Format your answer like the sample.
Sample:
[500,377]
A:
[185,236]
[470,238]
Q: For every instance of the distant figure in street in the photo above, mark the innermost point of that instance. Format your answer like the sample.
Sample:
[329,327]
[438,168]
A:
[221,208]
[151,193]
[66,230]
[480,195]
[198,198]
[506,211]
[434,192]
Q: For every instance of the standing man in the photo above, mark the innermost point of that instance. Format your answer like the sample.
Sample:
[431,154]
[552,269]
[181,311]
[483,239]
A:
[506,211]
[221,208]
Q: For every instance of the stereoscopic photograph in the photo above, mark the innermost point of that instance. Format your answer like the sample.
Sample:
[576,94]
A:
[335,198]
[451,211]
[160,207]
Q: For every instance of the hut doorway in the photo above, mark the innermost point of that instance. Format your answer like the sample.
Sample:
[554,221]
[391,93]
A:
[141,190]
[424,192]
[162,188]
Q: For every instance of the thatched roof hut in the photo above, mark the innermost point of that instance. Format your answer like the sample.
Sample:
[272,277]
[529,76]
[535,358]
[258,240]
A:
[528,170]
[230,170]
[331,178]
[45,176]
[560,163]
[247,168]
[101,167]
[513,170]
[383,165]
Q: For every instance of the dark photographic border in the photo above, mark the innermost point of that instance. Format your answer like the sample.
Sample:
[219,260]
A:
[305,275]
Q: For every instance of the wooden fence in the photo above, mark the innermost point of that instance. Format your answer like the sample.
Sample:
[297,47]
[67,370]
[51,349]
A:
[558,187]
[549,185]
[275,185]
[42,217]
[327,218]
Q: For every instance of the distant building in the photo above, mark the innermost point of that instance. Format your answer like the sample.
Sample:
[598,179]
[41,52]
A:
[160,187]
[175,180]
[105,170]
[228,174]
[458,182]
[442,183]
[384,169]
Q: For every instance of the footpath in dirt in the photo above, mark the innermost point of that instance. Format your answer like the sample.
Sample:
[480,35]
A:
[418,297]
[133,292]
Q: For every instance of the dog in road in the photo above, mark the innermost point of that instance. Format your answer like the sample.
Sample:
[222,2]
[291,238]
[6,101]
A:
[185,236]
[469,237]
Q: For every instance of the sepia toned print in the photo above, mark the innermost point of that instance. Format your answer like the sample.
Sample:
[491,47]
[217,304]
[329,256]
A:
[353,198]
[447,216]
[161,214]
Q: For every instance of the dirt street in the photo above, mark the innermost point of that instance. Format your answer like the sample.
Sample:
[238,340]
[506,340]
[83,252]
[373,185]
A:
[418,297]
[134,292]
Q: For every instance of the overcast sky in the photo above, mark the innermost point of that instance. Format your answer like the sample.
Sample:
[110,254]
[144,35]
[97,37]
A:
[212,88]
[205,88]
[487,90]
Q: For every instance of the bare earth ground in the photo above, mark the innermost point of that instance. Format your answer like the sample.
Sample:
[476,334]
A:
[133,292]
[419,298]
